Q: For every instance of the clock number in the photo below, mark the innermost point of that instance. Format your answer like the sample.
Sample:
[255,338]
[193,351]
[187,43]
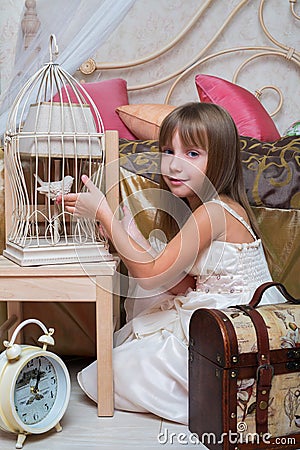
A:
[46,407]
[53,380]
[35,416]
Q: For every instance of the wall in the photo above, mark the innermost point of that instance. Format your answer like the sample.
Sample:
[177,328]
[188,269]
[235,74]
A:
[10,16]
[149,26]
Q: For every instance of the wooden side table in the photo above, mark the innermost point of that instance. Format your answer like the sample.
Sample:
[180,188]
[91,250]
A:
[90,282]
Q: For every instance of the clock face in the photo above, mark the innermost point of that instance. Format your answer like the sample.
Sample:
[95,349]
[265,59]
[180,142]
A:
[35,390]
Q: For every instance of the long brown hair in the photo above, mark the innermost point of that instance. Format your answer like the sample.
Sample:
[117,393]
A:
[207,126]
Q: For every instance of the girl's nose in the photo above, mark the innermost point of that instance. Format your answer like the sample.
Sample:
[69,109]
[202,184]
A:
[175,164]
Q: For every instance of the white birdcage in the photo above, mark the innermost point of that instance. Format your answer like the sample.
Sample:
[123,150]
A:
[54,135]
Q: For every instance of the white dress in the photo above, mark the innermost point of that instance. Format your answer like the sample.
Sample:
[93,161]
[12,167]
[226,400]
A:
[151,351]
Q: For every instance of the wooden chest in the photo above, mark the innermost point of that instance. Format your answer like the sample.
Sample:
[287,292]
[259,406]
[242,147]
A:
[244,375]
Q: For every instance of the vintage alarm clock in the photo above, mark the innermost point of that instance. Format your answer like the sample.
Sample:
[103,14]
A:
[34,386]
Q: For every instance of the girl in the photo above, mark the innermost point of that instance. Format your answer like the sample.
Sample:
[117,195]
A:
[216,243]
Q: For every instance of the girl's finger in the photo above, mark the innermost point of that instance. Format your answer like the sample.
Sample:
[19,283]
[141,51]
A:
[71,198]
[102,231]
[88,183]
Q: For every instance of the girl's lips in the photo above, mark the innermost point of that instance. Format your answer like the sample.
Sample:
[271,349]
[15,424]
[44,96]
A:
[176,181]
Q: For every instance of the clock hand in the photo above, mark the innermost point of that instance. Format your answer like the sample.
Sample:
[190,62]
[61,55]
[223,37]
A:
[38,377]
[36,387]
[30,400]
[38,396]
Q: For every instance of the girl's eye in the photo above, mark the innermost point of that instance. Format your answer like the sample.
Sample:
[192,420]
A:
[167,151]
[193,153]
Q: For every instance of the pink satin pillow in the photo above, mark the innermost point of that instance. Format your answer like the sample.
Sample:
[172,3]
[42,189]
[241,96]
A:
[248,113]
[107,96]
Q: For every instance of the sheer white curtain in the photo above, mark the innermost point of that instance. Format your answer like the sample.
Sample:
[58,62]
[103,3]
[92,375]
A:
[80,26]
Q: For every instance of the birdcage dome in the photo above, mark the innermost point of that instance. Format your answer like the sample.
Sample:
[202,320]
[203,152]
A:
[54,135]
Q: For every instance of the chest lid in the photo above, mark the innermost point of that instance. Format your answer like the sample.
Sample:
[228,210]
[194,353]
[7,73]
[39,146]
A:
[228,337]
[213,336]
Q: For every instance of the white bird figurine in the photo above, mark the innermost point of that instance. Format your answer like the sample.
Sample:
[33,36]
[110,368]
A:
[55,188]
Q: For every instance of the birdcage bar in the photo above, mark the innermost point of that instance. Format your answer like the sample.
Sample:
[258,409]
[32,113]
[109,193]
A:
[54,135]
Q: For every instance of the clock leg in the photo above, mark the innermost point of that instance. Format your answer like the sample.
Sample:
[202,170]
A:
[58,427]
[20,440]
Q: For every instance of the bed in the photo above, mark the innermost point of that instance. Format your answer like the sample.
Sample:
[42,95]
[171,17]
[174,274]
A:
[270,150]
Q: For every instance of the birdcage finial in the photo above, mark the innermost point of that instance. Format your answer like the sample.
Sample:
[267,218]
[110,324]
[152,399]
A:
[53,47]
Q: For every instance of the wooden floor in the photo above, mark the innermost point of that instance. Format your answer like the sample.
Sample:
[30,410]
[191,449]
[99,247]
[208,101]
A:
[83,430]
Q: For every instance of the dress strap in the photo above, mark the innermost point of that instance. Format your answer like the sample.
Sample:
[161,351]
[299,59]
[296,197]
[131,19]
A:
[236,215]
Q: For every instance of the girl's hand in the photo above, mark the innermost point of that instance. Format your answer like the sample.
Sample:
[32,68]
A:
[85,204]
[102,231]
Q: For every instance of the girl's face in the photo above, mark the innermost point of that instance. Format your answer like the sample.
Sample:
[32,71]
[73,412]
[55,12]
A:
[183,169]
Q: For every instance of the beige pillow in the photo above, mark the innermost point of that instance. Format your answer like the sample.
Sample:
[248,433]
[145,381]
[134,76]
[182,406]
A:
[144,120]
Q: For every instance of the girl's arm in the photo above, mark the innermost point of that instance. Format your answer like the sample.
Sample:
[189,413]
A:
[168,267]
[133,231]
[181,287]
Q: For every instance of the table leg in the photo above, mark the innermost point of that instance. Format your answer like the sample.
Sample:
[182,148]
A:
[5,326]
[15,308]
[104,342]
[116,301]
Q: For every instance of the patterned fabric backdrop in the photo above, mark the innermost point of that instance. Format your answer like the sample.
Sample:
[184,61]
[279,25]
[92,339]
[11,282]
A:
[271,169]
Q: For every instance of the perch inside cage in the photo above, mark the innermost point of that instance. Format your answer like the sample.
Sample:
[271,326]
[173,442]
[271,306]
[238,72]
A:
[54,135]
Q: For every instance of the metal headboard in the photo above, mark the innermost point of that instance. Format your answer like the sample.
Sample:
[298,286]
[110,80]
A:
[248,54]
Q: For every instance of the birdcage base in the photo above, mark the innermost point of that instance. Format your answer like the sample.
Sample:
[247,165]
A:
[58,254]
